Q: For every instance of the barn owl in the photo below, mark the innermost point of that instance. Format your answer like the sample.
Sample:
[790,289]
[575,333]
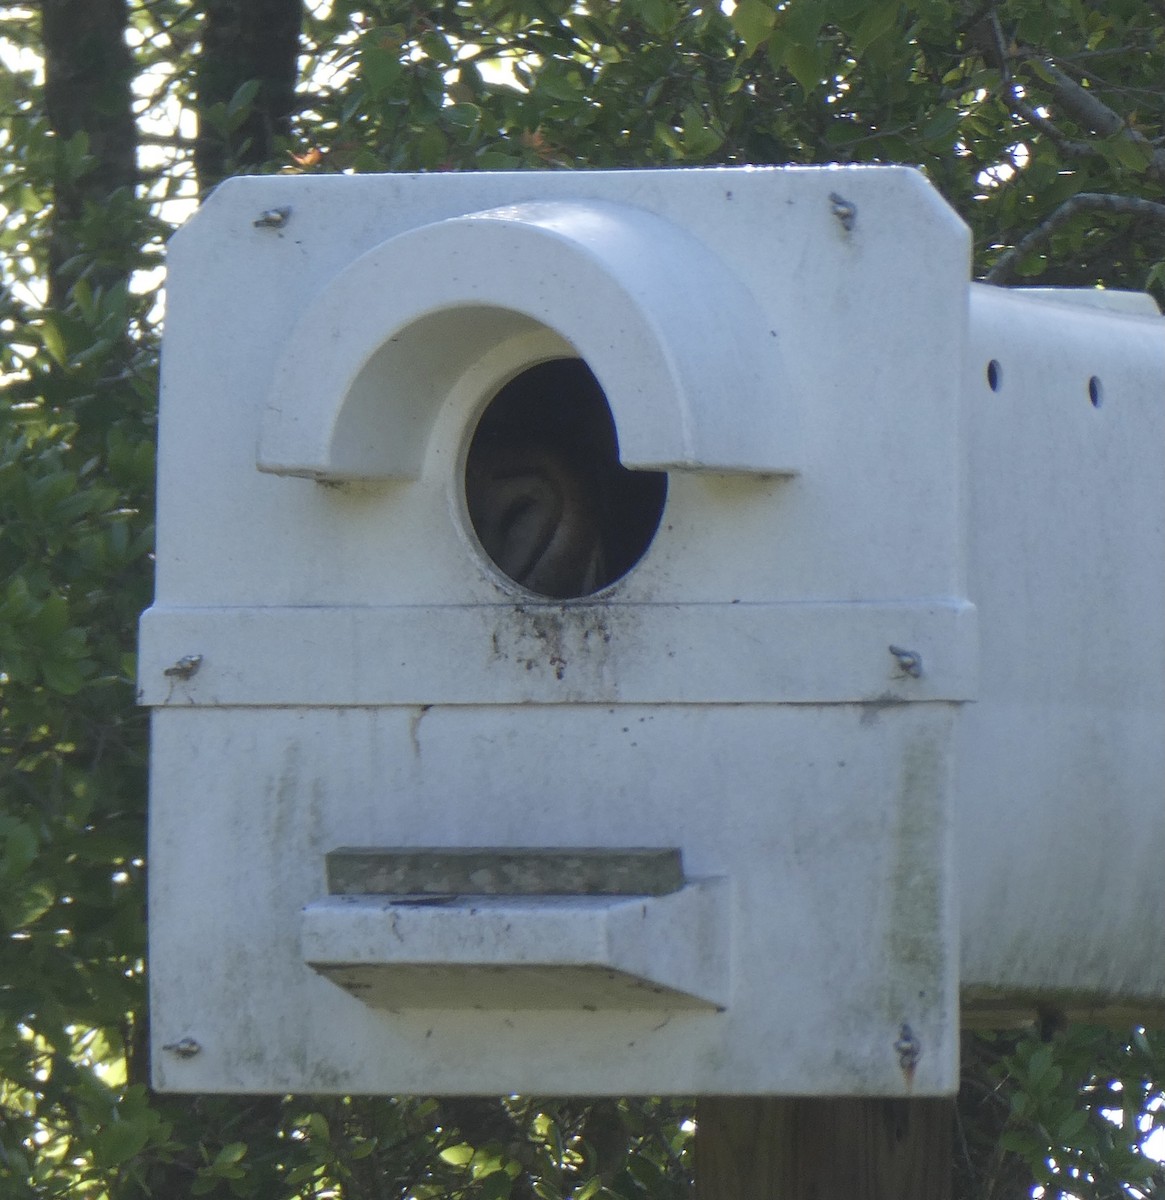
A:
[536,514]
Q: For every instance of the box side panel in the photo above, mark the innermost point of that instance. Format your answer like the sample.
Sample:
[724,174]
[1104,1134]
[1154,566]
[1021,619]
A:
[1061,823]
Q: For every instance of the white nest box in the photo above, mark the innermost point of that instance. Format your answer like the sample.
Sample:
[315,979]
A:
[647,632]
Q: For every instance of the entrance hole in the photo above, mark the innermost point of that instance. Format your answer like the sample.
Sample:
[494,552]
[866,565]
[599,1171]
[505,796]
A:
[551,505]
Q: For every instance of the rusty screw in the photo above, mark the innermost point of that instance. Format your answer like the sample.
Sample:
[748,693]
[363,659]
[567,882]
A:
[909,660]
[844,210]
[272,218]
[908,1048]
[186,1047]
[185,667]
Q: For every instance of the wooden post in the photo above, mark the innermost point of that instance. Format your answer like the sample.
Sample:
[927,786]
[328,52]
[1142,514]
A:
[776,1148]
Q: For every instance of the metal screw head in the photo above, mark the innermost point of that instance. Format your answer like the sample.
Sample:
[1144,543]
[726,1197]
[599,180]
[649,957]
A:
[185,1047]
[185,667]
[908,1048]
[844,210]
[272,218]
[909,660]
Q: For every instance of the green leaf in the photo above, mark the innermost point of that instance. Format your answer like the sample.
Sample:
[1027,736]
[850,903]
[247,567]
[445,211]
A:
[53,338]
[231,1154]
[239,105]
[941,126]
[1021,1142]
[487,1160]
[806,63]
[300,1175]
[380,65]
[753,21]
[877,21]
[52,619]
[121,1140]
[646,1173]
[317,1127]
[1039,1065]
[465,115]
[803,20]
[457,1156]
[1128,153]
[18,847]
[697,138]
[1071,1125]
[497,1186]
[1032,264]
[658,15]
[555,83]
[64,678]
[29,904]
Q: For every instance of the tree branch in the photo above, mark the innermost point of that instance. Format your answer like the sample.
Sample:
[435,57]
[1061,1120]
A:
[992,41]
[1069,97]
[87,91]
[1085,107]
[1131,206]
[243,43]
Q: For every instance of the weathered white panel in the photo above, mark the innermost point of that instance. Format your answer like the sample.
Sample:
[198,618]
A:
[821,821]
[913,649]
[1062,824]
[870,383]
[546,654]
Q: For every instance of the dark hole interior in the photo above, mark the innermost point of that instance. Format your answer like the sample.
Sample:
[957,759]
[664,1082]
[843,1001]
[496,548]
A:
[549,500]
